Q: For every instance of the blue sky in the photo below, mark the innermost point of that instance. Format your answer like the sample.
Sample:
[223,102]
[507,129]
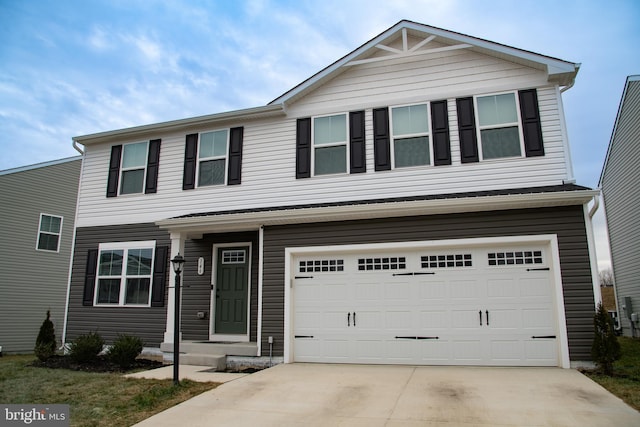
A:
[75,67]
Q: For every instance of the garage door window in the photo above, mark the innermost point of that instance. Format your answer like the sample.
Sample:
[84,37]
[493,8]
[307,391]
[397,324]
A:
[390,263]
[320,266]
[515,258]
[447,261]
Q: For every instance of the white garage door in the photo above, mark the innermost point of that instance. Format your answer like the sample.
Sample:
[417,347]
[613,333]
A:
[477,306]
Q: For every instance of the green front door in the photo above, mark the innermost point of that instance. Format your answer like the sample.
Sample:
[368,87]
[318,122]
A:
[231,287]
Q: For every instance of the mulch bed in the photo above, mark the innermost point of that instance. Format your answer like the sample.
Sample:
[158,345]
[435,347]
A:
[101,364]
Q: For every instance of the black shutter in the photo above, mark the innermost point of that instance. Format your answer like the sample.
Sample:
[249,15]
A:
[531,128]
[467,130]
[159,276]
[303,148]
[381,139]
[440,133]
[90,277]
[190,159]
[152,167]
[357,142]
[235,156]
[114,171]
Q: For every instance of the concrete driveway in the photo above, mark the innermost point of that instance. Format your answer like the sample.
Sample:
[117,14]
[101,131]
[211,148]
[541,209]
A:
[358,395]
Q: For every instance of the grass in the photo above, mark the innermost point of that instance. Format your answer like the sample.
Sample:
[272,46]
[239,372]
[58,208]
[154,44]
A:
[95,399]
[625,382]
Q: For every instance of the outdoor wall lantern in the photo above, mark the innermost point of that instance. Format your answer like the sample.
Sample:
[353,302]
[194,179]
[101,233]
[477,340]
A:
[178,263]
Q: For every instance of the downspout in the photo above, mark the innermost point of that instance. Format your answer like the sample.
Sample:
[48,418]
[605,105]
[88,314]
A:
[597,295]
[73,249]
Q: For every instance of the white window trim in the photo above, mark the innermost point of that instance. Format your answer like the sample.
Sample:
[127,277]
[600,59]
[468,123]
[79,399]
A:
[123,169]
[410,135]
[125,246]
[47,232]
[502,125]
[334,144]
[206,159]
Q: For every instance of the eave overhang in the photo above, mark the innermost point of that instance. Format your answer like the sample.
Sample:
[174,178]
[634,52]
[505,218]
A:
[150,130]
[198,224]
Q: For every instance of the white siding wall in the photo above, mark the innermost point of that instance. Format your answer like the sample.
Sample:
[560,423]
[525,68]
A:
[268,166]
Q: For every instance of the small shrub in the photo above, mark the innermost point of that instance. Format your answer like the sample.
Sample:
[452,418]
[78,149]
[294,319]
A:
[46,340]
[124,350]
[85,348]
[606,348]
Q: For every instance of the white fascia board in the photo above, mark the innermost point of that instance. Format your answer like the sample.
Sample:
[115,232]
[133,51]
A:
[254,220]
[246,114]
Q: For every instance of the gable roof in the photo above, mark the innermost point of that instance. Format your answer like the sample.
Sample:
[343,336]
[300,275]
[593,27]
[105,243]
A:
[559,71]
[623,99]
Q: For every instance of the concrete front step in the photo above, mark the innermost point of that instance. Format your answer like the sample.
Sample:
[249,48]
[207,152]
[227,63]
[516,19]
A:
[217,361]
[215,348]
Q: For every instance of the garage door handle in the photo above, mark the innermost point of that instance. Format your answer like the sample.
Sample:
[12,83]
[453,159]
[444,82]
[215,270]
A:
[480,314]
[417,338]
[487,317]
[419,273]
[543,336]
[303,336]
[348,319]
[539,269]
[354,318]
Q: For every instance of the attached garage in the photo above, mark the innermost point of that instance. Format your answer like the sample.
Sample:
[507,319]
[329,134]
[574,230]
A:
[485,301]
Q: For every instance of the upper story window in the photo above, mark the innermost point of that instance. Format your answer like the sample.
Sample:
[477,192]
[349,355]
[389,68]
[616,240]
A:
[124,273]
[212,157]
[134,167]
[499,126]
[410,135]
[49,232]
[330,144]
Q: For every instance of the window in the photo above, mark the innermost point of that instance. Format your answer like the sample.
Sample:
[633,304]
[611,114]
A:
[49,233]
[212,157]
[321,266]
[234,256]
[447,261]
[390,263]
[330,144]
[124,273]
[410,135]
[134,167]
[498,125]
[515,258]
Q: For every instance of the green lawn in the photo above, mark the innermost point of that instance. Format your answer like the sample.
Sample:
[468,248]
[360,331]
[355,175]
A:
[625,383]
[95,399]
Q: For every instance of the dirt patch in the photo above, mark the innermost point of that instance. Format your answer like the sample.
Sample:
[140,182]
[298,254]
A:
[101,364]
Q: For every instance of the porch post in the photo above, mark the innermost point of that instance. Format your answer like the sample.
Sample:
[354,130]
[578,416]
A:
[177,246]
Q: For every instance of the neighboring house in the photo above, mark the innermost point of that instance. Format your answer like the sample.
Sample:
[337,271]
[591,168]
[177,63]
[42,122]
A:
[412,203]
[38,213]
[619,179]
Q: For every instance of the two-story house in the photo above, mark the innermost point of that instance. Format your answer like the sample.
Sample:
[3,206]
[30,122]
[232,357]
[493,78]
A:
[412,203]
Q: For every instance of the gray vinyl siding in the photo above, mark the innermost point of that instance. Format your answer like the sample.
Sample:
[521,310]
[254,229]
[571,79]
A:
[620,182]
[196,295]
[33,281]
[148,323]
[567,222]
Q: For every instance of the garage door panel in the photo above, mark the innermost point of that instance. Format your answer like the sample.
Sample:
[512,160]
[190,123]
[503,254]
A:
[468,319]
[464,289]
[538,318]
[434,319]
[420,295]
